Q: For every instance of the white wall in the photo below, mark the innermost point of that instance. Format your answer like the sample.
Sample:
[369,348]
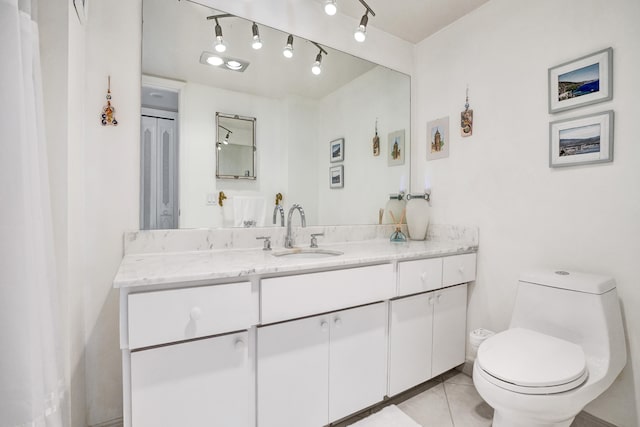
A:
[198,153]
[585,217]
[350,113]
[109,181]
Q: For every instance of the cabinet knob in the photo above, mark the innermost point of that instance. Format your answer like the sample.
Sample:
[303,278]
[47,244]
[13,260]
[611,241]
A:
[195,313]
[239,344]
[338,322]
[431,300]
[423,277]
[438,298]
[461,269]
[324,325]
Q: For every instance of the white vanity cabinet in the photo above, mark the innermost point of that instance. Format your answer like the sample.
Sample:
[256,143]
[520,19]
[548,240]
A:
[195,383]
[319,369]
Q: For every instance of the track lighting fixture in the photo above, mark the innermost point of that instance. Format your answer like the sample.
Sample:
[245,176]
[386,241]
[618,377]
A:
[330,7]
[288,49]
[256,42]
[225,141]
[317,65]
[361,32]
[219,45]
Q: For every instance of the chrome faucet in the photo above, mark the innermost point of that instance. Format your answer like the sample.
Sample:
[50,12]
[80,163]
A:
[288,240]
[275,210]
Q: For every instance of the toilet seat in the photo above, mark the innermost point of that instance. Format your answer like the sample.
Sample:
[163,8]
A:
[530,362]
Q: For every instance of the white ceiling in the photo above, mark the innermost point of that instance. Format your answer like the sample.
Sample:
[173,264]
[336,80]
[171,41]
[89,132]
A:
[410,20]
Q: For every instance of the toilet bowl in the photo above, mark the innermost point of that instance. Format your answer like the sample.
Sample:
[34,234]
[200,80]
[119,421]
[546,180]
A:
[564,347]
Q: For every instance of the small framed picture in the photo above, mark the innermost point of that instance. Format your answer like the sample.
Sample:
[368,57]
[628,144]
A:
[439,142]
[581,140]
[336,176]
[396,148]
[583,81]
[336,151]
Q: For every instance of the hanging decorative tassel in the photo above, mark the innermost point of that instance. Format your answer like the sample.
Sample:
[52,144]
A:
[466,118]
[376,141]
[108,112]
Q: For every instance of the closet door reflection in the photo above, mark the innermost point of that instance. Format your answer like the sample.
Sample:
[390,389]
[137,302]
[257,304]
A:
[158,195]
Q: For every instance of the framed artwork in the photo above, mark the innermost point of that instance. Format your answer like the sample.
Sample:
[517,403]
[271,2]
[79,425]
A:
[396,148]
[336,176]
[583,81]
[336,150]
[438,142]
[581,140]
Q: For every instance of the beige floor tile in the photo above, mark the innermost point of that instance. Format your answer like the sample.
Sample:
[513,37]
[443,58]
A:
[467,407]
[459,378]
[429,409]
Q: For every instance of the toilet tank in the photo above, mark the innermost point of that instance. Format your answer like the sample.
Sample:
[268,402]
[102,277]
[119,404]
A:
[578,307]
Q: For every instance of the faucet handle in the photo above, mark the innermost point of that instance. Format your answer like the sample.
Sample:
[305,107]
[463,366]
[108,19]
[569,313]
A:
[314,240]
[267,242]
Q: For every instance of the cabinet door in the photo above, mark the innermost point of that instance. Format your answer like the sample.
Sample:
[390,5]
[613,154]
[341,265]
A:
[357,359]
[449,328]
[293,373]
[197,383]
[410,341]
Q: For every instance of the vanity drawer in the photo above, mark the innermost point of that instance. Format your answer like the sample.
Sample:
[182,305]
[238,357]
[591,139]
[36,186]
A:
[290,297]
[419,276]
[179,314]
[458,269]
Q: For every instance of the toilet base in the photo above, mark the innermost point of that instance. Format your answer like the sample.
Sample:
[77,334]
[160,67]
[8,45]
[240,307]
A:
[503,419]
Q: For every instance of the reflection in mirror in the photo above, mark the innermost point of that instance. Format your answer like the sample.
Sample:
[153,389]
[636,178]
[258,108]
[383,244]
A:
[236,146]
[300,114]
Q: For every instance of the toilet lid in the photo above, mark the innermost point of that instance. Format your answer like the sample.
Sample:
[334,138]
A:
[527,358]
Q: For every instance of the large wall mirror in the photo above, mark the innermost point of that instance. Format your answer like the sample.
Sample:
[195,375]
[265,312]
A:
[298,115]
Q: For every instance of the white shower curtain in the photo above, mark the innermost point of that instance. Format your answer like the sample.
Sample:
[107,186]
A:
[31,374]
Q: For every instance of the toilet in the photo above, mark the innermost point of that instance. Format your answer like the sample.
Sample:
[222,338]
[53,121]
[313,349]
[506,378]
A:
[565,346]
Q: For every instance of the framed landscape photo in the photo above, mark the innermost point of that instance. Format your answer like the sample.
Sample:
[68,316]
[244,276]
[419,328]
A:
[583,81]
[336,176]
[581,140]
[336,151]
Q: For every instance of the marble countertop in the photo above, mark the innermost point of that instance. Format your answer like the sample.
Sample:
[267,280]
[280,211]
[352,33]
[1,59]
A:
[143,269]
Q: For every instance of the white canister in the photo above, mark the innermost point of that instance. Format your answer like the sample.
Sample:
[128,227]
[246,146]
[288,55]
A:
[417,218]
[396,206]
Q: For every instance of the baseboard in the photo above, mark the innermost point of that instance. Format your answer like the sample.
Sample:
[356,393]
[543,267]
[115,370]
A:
[118,422]
[585,419]
[466,368]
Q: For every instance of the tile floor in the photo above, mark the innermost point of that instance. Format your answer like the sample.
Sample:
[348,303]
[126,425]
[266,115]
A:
[451,401]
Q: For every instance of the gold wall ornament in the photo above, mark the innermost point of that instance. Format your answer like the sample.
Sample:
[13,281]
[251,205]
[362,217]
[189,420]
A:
[466,118]
[278,198]
[108,112]
[221,197]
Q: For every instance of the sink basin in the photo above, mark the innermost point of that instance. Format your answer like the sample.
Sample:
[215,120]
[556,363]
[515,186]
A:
[306,253]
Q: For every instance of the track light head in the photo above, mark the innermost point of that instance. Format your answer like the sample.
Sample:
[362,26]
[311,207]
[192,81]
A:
[330,7]
[219,45]
[317,66]
[288,49]
[256,42]
[361,32]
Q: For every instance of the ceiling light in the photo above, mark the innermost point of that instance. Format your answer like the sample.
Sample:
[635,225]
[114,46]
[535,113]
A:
[330,7]
[256,43]
[225,141]
[215,60]
[234,65]
[288,49]
[219,146]
[219,45]
[361,32]
[317,66]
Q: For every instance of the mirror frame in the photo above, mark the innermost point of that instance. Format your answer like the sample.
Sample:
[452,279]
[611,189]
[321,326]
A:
[253,121]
